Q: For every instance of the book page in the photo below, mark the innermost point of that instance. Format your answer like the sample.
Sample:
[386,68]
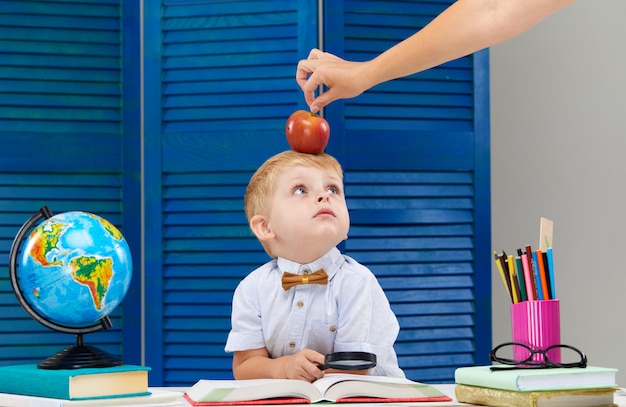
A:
[379,390]
[362,384]
[330,379]
[254,389]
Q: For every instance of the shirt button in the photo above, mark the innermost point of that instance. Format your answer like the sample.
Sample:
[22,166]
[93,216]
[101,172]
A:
[300,304]
[292,345]
[333,328]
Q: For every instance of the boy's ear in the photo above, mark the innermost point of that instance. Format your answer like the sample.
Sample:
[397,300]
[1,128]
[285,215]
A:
[261,229]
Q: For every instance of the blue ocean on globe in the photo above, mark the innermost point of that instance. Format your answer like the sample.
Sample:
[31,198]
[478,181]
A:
[75,268]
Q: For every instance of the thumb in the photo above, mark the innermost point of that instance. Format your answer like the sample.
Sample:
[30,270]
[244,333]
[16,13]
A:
[324,99]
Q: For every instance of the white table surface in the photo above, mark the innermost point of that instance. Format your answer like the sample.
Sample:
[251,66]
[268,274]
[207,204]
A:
[448,389]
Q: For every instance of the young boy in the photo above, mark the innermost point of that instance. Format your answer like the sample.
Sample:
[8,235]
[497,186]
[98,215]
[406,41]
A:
[296,208]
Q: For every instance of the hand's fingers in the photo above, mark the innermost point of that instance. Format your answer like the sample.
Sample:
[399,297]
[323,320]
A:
[307,66]
[312,371]
[302,72]
[308,377]
[303,365]
[310,78]
[310,87]
[322,100]
[315,53]
[315,373]
[313,356]
[307,83]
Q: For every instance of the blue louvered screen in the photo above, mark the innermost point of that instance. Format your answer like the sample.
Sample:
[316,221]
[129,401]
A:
[219,78]
[219,90]
[68,143]
[219,87]
[417,179]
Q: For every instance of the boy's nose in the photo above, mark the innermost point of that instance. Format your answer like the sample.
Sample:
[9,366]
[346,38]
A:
[322,196]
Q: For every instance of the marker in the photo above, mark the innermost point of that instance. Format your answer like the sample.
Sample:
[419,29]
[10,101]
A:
[537,274]
[551,271]
[549,281]
[528,279]
[531,270]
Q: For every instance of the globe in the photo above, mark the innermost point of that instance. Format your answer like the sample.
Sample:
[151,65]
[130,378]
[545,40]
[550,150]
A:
[73,270]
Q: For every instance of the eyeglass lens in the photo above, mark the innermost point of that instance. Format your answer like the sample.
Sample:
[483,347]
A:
[523,353]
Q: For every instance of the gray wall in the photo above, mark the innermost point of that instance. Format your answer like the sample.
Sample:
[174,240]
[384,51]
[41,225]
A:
[558,139]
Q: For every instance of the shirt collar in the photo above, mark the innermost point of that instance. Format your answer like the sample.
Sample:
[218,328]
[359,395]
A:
[330,262]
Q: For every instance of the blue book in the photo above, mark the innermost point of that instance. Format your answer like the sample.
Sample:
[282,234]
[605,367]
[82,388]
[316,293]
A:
[75,384]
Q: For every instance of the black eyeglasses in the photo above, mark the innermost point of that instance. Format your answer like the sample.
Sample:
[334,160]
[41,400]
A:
[525,357]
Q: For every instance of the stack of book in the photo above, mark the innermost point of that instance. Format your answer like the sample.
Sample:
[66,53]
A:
[126,385]
[554,387]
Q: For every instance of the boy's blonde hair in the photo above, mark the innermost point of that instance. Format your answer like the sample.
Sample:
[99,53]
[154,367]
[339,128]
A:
[258,197]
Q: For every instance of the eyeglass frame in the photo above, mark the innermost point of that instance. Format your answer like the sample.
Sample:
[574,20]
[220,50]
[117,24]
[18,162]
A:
[528,363]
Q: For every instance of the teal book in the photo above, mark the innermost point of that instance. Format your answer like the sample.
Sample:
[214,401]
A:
[157,397]
[569,378]
[75,384]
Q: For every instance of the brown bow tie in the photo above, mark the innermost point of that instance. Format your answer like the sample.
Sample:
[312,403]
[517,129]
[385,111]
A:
[290,280]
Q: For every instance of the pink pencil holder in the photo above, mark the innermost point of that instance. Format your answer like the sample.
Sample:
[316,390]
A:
[536,324]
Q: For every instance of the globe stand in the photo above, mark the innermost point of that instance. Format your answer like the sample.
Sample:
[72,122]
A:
[73,357]
[80,356]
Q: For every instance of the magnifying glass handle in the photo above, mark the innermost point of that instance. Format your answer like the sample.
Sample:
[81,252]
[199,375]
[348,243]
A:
[322,367]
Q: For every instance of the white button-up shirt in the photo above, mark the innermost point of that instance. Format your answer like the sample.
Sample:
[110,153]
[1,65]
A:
[349,314]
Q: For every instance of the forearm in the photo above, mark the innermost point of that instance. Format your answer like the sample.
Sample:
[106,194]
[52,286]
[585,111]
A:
[259,367]
[257,364]
[465,27]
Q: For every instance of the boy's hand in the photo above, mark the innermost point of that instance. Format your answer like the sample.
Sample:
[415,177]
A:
[304,365]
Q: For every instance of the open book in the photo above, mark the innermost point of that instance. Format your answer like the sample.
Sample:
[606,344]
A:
[332,387]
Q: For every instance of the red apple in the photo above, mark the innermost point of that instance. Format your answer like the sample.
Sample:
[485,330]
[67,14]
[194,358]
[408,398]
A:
[307,132]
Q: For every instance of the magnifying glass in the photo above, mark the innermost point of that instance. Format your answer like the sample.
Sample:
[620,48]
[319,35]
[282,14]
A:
[349,361]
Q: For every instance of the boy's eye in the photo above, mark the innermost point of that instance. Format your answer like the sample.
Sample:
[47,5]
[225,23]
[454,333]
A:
[299,191]
[333,190]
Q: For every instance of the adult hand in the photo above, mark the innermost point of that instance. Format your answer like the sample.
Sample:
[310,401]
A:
[303,365]
[343,79]
[465,27]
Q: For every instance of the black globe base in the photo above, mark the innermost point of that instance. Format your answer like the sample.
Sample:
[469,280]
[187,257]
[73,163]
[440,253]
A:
[80,357]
